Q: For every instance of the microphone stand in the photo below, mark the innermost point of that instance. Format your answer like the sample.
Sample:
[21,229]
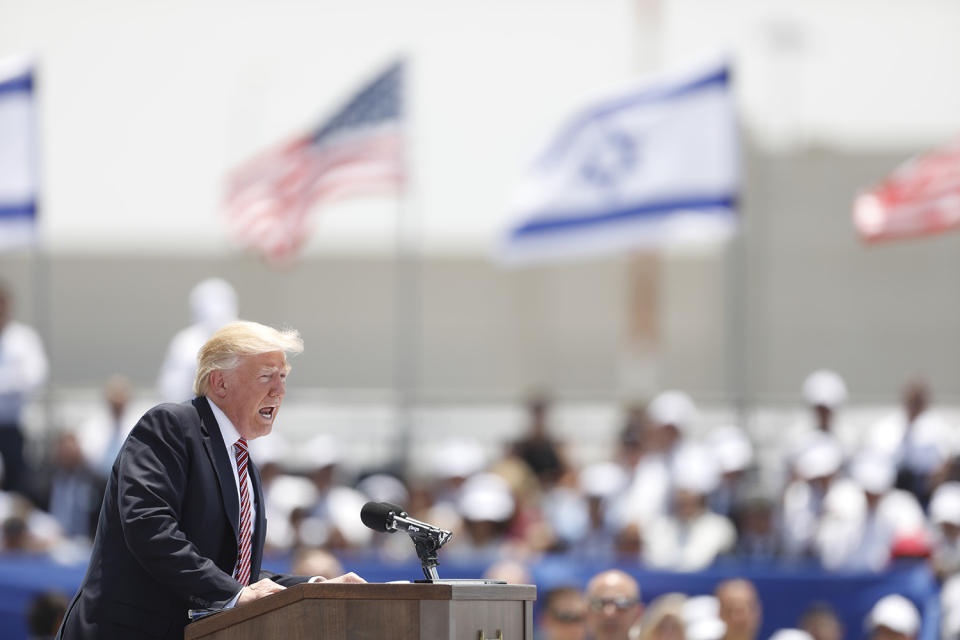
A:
[427,544]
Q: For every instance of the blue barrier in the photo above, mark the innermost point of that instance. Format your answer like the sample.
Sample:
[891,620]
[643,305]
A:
[785,590]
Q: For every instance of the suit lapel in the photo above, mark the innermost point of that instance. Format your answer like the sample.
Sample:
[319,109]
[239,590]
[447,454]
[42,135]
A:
[213,443]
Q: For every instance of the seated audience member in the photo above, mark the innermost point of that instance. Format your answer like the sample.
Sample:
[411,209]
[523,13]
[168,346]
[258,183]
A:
[663,619]
[814,469]
[487,507]
[758,536]
[693,537]
[69,489]
[614,605]
[864,516]
[733,453]
[45,615]
[671,414]
[102,434]
[739,609]
[893,618]
[701,616]
[822,622]
[945,518]
[564,615]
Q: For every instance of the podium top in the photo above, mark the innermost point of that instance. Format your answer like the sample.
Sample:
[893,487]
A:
[338,591]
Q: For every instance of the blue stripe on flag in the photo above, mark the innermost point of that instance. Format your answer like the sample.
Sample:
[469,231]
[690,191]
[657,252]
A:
[21,83]
[720,77]
[546,225]
[28,210]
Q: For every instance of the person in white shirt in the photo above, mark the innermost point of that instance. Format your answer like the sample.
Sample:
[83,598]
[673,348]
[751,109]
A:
[213,303]
[23,371]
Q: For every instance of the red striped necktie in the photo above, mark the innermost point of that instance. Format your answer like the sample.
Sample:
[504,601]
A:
[242,572]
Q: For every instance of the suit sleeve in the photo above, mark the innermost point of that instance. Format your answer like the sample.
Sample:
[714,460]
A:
[284,579]
[152,478]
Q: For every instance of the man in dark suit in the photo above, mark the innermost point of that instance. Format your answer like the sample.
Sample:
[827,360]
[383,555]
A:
[182,524]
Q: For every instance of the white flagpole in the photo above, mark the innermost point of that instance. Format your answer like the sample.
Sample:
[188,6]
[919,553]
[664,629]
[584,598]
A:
[406,292]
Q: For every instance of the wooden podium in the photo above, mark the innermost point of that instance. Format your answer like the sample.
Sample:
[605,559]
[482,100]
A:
[464,611]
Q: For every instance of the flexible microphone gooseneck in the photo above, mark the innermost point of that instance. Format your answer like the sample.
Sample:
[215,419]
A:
[387,517]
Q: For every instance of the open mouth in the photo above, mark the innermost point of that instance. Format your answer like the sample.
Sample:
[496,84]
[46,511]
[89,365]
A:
[268,412]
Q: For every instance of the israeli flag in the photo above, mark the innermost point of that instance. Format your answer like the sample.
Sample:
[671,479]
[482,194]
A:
[18,154]
[652,167]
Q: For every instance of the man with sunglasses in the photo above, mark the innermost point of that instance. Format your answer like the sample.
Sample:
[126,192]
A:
[564,615]
[614,605]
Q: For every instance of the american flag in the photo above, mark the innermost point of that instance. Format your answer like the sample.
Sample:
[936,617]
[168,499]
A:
[357,151]
[921,197]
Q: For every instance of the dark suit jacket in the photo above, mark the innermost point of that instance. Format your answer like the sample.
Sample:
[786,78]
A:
[166,539]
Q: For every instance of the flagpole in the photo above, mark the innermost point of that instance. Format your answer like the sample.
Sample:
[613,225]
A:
[406,296]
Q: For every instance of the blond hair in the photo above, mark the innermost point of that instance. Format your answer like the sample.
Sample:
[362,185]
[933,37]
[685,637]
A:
[223,350]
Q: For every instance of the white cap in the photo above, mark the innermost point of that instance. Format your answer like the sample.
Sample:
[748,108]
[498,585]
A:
[213,303]
[701,608]
[731,448]
[383,487]
[790,634]
[895,613]
[672,407]
[694,470]
[458,458]
[486,496]
[602,479]
[706,629]
[822,457]
[874,472]
[945,504]
[825,388]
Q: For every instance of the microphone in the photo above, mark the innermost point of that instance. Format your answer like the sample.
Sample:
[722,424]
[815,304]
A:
[387,517]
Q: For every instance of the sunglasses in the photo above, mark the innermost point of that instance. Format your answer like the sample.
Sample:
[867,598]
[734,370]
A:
[568,617]
[622,603]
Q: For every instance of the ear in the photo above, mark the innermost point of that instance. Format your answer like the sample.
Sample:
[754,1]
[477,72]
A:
[218,384]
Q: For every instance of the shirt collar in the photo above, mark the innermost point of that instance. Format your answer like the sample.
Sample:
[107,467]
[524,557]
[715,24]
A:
[227,430]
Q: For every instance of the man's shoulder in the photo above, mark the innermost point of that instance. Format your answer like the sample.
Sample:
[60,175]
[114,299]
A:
[183,415]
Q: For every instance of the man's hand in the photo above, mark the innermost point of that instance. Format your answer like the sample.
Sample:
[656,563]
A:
[347,577]
[258,590]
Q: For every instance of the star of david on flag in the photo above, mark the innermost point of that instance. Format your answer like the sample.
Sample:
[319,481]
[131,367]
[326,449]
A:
[652,166]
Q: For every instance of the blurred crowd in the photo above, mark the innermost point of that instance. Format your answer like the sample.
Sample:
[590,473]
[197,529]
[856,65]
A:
[612,608]
[672,496]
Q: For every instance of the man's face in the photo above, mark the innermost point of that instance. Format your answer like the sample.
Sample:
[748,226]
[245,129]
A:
[566,618]
[740,610]
[614,608]
[251,393]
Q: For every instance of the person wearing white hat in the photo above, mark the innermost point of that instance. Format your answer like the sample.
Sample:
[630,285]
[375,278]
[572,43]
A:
[486,506]
[824,393]
[733,453]
[888,514]
[670,415]
[213,303]
[945,518]
[813,469]
[693,536]
[893,617]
